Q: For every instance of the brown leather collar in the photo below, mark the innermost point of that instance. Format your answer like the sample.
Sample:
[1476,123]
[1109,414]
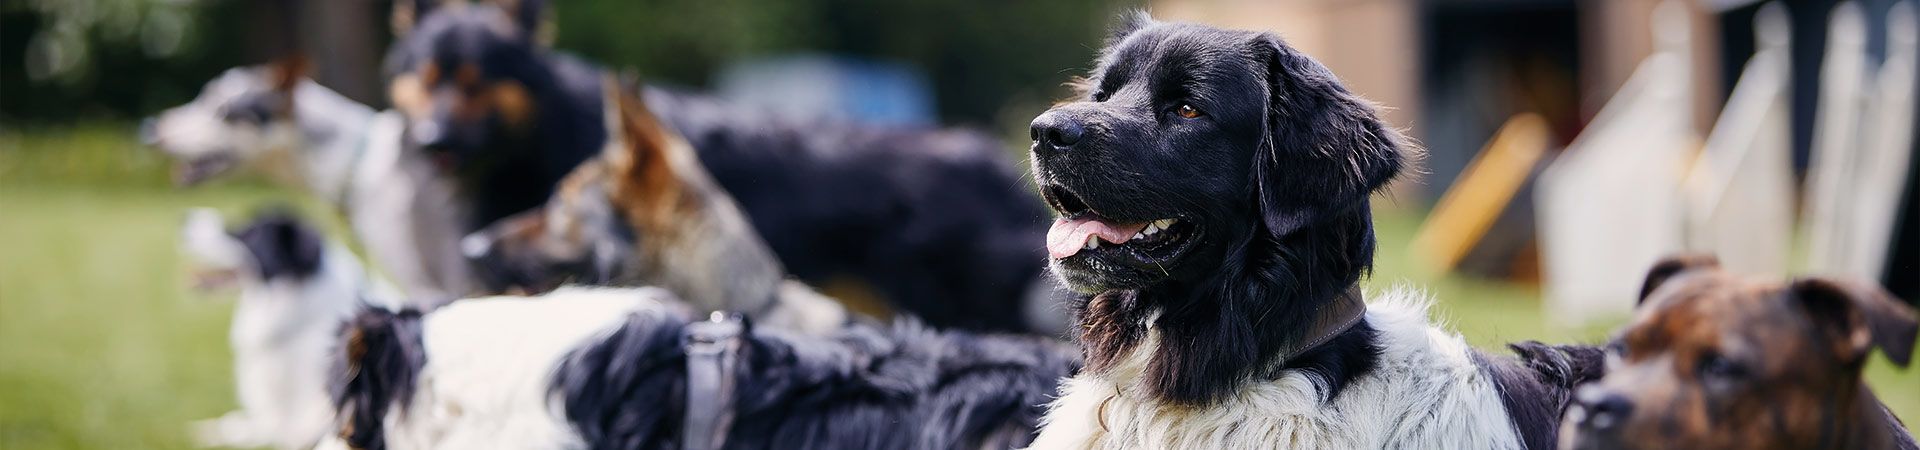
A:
[1333,318]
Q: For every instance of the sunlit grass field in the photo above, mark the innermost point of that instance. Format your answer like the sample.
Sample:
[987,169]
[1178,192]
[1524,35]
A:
[104,346]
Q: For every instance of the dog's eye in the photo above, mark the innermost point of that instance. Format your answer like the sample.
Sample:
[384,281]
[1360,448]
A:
[1101,95]
[1188,111]
[1715,365]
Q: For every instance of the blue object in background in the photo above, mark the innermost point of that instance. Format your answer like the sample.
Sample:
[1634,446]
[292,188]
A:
[811,86]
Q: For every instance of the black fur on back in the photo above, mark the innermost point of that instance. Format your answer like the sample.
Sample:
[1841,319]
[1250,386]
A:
[1537,386]
[628,391]
[381,358]
[282,245]
[937,220]
[865,388]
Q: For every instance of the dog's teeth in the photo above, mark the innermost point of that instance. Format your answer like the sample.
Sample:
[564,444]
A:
[1141,235]
[1164,223]
[1093,242]
[1151,230]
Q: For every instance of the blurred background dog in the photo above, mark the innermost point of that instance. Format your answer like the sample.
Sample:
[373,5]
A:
[296,291]
[1717,360]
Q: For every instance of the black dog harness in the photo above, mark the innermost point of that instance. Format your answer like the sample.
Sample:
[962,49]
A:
[713,353]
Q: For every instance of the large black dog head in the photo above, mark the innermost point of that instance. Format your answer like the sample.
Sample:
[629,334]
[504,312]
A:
[1212,186]
[1190,143]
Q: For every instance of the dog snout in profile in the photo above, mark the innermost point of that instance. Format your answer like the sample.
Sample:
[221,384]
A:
[1602,410]
[1056,131]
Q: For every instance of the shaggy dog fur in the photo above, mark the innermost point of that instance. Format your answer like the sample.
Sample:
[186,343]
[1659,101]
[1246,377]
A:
[1213,191]
[936,220]
[606,369]
[1714,360]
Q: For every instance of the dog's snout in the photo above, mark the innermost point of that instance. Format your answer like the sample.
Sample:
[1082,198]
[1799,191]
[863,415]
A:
[1054,131]
[1603,409]
[429,134]
[477,247]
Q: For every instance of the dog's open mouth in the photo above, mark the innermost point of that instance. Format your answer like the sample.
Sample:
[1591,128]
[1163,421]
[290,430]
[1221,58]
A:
[1081,230]
[189,172]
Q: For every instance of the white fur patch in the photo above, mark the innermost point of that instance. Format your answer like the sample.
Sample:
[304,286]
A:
[490,366]
[1424,393]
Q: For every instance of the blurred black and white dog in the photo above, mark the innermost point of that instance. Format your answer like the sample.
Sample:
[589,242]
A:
[1212,188]
[273,120]
[626,369]
[296,290]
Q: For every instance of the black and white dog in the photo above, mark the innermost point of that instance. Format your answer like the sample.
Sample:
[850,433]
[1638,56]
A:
[625,369]
[273,120]
[1212,187]
[296,289]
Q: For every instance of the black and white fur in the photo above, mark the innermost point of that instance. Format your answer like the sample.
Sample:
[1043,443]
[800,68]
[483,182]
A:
[1241,169]
[605,368]
[295,291]
[272,120]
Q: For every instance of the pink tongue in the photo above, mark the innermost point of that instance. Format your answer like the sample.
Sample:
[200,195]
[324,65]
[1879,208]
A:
[1068,236]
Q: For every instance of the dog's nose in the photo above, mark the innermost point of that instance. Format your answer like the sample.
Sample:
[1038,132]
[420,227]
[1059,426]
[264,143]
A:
[428,134]
[477,247]
[1604,409]
[1055,131]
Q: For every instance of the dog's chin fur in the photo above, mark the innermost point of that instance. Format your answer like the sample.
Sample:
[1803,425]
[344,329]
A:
[1235,320]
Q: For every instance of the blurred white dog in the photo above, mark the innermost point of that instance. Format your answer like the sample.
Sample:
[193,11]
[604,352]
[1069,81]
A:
[296,292]
[273,120]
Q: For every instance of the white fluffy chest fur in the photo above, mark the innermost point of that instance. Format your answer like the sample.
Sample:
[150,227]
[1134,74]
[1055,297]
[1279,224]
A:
[490,366]
[1425,393]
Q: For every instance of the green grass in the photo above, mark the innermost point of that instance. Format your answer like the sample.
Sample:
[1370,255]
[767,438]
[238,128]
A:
[102,345]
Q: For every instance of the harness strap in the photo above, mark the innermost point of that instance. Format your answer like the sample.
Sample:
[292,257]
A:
[713,353]
[1330,320]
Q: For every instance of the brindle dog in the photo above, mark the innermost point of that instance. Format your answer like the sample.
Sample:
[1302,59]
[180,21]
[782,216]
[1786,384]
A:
[1716,360]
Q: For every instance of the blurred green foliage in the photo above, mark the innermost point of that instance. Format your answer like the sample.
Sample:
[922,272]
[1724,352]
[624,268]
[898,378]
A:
[987,60]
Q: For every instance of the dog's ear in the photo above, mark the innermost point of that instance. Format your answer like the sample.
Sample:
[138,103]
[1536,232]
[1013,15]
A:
[282,245]
[1325,149]
[1672,266]
[640,154]
[1856,316]
[407,13]
[529,14]
[287,72]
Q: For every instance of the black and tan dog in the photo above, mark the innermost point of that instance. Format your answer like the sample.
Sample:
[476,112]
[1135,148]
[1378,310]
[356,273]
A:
[1713,360]
[936,220]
